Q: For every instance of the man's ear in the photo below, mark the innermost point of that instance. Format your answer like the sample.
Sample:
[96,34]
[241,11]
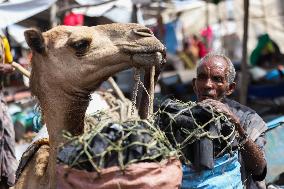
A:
[194,85]
[231,89]
[35,41]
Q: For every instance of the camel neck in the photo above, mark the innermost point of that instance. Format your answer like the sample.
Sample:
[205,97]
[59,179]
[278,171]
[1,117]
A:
[62,113]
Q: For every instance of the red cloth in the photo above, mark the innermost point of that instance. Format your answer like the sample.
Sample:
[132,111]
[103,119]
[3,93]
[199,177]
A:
[73,19]
[202,51]
[208,34]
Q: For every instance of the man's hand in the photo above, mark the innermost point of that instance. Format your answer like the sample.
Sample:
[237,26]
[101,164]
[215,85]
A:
[223,108]
[6,68]
[220,108]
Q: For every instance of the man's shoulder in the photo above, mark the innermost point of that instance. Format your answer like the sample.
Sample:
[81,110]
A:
[250,120]
[238,106]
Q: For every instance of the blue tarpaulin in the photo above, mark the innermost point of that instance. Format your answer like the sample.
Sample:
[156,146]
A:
[225,174]
[269,91]
[274,149]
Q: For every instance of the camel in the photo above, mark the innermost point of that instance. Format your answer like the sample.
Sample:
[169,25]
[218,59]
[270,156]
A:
[69,63]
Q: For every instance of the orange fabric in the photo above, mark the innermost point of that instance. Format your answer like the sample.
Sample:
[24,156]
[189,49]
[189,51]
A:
[164,175]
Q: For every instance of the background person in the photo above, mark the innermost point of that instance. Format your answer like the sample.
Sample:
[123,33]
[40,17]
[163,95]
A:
[8,162]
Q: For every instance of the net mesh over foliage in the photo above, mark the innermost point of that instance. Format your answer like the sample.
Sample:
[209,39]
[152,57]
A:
[196,130]
[107,143]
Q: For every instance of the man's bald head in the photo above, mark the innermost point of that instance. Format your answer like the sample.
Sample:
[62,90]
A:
[215,77]
[231,72]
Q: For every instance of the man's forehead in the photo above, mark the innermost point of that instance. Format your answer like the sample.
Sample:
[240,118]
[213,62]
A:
[215,64]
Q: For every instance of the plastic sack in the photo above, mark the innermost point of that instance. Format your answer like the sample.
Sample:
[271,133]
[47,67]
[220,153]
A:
[166,174]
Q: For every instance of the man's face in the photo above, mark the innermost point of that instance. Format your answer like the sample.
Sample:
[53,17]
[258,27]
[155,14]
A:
[211,81]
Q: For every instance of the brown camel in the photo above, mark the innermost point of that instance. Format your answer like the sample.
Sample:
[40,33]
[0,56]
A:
[68,63]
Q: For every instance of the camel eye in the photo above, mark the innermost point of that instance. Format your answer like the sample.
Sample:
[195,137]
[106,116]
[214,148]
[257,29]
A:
[80,46]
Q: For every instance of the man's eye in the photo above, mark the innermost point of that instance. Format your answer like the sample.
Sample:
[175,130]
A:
[217,79]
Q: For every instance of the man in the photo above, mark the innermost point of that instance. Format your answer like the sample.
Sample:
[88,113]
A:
[214,82]
[8,163]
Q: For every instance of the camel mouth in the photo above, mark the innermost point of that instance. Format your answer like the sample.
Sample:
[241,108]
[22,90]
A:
[149,59]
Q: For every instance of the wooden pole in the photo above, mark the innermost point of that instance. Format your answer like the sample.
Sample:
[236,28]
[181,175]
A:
[264,16]
[21,69]
[207,21]
[207,14]
[244,65]
[116,89]
[134,18]
[53,18]
[220,22]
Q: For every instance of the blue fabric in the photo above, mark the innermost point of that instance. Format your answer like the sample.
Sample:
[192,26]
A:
[37,118]
[266,90]
[275,122]
[171,41]
[274,74]
[226,174]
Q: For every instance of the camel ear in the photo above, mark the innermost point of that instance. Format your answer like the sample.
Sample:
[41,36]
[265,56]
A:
[35,41]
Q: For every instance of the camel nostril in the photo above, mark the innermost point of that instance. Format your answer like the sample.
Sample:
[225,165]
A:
[144,32]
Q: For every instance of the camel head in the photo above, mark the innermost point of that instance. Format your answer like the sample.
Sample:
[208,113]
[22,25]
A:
[70,62]
[76,60]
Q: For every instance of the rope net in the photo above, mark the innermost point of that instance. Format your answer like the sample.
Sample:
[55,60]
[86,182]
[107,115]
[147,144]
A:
[196,130]
[112,143]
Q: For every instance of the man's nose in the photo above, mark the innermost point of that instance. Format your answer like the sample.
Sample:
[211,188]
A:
[208,83]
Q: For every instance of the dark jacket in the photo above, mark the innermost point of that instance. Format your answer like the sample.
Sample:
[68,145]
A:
[255,128]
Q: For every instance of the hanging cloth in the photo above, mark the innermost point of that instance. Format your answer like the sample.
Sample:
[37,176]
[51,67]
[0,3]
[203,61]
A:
[73,19]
